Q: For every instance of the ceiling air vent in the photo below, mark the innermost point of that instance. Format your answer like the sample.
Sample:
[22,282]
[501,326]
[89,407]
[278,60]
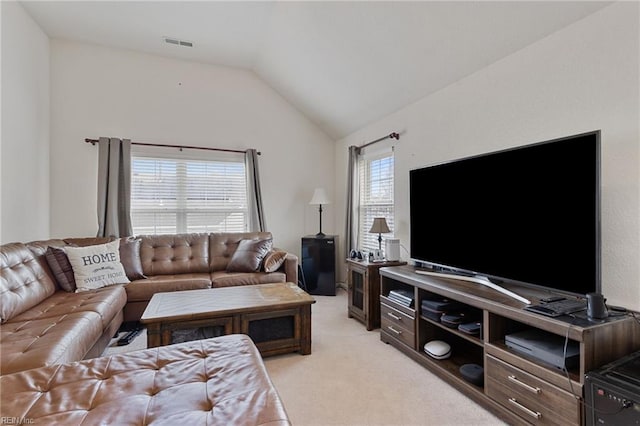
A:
[177,42]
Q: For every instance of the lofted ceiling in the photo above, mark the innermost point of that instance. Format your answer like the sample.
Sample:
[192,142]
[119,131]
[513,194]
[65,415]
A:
[344,64]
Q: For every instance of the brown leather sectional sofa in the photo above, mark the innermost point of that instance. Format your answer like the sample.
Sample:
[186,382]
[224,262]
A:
[43,325]
[195,261]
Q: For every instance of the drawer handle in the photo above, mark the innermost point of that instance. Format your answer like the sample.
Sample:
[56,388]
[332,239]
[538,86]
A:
[394,330]
[515,380]
[395,317]
[532,413]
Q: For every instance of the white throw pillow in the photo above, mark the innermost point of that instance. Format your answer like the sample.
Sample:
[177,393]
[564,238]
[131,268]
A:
[96,266]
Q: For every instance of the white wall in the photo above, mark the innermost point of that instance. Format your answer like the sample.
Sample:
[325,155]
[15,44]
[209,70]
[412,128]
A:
[24,147]
[98,91]
[582,78]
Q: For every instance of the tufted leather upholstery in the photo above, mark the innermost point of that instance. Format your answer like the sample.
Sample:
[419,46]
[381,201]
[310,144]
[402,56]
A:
[143,290]
[47,341]
[64,327]
[174,254]
[23,281]
[194,261]
[42,326]
[105,302]
[223,245]
[219,381]
[88,241]
[39,248]
[229,279]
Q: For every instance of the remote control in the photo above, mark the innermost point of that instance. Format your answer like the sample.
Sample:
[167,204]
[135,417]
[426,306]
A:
[128,338]
[552,299]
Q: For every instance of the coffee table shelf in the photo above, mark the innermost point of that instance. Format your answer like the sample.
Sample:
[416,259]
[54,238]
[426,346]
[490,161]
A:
[276,316]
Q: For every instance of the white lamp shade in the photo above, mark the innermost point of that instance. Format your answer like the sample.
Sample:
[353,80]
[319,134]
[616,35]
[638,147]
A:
[319,197]
[379,226]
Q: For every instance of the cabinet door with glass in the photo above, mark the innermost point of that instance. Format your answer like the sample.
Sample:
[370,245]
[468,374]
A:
[357,278]
[363,284]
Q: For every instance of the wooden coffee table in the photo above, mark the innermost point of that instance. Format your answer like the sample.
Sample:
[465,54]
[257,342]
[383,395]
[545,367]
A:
[276,316]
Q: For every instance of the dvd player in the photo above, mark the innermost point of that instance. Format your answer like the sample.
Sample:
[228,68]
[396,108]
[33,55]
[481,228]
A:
[546,347]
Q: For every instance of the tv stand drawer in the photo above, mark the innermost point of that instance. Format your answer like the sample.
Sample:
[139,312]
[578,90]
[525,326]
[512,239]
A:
[397,324]
[395,316]
[532,398]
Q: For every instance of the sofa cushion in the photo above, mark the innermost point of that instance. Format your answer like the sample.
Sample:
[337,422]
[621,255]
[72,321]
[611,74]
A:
[222,245]
[228,279]
[130,258]
[96,266]
[106,302]
[220,381]
[47,341]
[61,268]
[248,256]
[174,254]
[23,281]
[142,290]
[274,260]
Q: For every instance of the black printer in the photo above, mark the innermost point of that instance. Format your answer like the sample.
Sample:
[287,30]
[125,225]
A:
[612,393]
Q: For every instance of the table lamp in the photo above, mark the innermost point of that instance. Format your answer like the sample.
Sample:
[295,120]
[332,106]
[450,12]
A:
[319,198]
[379,227]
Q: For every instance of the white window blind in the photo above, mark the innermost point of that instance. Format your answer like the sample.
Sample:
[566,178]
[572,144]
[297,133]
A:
[178,195]
[376,196]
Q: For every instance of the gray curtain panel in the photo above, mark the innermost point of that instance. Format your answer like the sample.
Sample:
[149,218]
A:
[114,187]
[351,231]
[256,218]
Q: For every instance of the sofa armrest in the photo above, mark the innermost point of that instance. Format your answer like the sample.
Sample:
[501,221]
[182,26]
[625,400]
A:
[290,268]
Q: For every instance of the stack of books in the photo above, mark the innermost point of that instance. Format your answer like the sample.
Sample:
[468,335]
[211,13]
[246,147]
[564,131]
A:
[403,297]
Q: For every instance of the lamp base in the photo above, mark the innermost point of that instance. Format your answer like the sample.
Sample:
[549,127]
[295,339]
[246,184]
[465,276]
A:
[320,235]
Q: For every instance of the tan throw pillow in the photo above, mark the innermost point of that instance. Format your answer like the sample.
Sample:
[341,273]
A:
[96,266]
[248,256]
[61,267]
[130,258]
[274,260]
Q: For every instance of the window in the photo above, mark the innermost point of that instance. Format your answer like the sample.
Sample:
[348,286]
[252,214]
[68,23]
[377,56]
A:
[180,195]
[376,196]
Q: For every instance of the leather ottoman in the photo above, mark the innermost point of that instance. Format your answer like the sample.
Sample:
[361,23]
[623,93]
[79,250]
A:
[219,381]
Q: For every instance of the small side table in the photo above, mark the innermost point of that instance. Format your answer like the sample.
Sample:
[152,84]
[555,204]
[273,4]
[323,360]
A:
[363,285]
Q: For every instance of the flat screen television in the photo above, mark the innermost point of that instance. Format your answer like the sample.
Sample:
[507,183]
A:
[528,215]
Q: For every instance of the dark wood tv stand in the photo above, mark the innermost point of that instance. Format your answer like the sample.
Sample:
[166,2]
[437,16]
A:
[517,388]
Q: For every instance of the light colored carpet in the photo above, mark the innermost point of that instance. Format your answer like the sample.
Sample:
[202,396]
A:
[352,378]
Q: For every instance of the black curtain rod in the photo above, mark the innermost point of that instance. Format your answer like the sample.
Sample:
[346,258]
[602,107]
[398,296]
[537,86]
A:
[95,141]
[393,135]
